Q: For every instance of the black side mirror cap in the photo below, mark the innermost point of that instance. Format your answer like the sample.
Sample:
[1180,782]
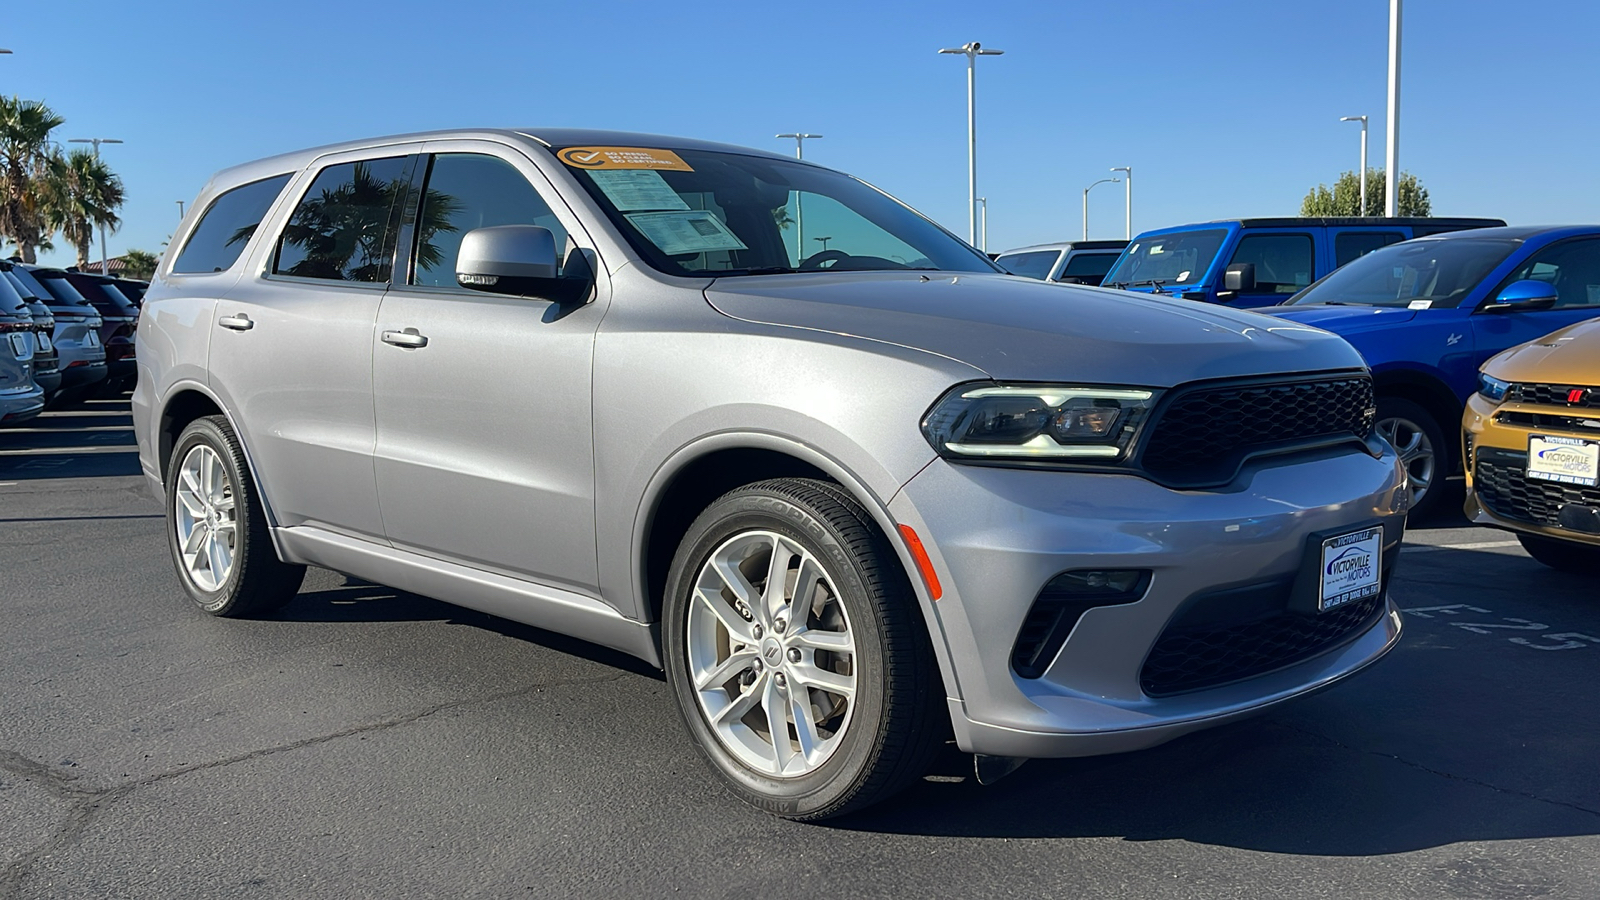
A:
[1239,277]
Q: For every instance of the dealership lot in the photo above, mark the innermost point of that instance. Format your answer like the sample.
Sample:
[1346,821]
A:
[367,743]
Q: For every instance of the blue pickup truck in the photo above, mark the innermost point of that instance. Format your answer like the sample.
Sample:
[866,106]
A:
[1260,262]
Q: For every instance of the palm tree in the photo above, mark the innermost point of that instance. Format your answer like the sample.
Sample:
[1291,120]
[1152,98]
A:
[27,158]
[139,263]
[80,194]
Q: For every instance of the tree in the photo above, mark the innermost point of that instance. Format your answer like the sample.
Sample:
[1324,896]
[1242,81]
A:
[140,264]
[28,160]
[80,195]
[1345,197]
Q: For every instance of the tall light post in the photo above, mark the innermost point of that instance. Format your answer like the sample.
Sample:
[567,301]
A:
[1086,202]
[824,241]
[1363,121]
[180,210]
[983,225]
[800,139]
[1127,214]
[1391,137]
[972,50]
[105,260]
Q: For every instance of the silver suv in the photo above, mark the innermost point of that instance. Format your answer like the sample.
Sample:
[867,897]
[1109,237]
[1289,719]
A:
[852,493]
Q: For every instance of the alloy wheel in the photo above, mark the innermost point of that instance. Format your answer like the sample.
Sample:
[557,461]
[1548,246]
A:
[1416,452]
[771,655]
[205,516]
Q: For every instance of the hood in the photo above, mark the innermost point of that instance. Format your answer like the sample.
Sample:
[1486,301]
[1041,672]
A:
[1018,329]
[1340,319]
[1569,356]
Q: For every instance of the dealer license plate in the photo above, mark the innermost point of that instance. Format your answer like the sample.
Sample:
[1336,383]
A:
[1567,460]
[1351,567]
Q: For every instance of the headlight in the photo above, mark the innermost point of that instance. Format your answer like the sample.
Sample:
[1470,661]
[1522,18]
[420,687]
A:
[1039,422]
[1492,388]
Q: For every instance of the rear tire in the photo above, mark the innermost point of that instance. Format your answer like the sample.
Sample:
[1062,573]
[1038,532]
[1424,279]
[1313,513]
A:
[872,707]
[217,529]
[1565,556]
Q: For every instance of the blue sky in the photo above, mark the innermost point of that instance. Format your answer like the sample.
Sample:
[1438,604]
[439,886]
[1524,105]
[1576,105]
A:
[1223,109]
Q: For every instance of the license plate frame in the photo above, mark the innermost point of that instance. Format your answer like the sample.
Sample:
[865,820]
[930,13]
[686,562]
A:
[1560,459]
[1350,568]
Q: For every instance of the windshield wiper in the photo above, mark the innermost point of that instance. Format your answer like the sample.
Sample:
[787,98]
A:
[759,270]
[1154,282]
[1119,285]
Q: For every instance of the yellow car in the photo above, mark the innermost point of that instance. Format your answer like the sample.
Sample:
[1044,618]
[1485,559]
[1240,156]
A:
[1531,435]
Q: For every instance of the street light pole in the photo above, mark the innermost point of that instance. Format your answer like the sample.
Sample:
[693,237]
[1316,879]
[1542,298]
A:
[180,210]
[983,227]
[105,260]
[800,139]
[1086,202]
[972,50]
[1363,121]
[1127,215]
[1391,137]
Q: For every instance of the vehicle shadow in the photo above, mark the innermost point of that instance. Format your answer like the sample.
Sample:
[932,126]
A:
[358,601]
[88,439]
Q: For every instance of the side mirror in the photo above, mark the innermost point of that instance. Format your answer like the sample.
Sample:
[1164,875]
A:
[1523,295]
[1239,277]
[507,259]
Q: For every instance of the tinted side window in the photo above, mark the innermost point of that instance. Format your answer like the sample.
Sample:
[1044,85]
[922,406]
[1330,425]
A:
[1348,245]
[1282,261]
[1034,264]
[1572,266]
[341,230]
[1089,265]
[466,191]
[227,225]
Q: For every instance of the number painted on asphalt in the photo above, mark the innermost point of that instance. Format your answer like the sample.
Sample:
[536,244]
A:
[1569,640]
[1565,640]
[1483,627]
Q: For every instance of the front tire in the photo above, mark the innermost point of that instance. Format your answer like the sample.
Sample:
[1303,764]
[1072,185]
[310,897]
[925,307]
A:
[796,654]
[217,529]
[1419,441]
[1564,556]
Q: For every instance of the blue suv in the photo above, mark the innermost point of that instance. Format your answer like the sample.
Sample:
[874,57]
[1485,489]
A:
[1427,313]
[1259,262]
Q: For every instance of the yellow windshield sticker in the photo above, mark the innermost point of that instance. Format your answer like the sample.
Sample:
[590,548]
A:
[622,158]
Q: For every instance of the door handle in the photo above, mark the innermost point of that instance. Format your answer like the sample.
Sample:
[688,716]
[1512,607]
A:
[410,339]
[240,322]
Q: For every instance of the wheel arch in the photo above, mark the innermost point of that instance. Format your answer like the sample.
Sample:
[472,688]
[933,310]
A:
[186,402]
[1432,394]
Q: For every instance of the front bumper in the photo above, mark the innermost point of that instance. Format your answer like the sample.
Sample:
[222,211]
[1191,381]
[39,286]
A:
[997,535]
[1481,432]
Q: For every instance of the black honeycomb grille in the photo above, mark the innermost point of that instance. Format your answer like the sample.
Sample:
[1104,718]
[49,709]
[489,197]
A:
[1204,434]
[1194,659]
[1554,395]
[1503,486]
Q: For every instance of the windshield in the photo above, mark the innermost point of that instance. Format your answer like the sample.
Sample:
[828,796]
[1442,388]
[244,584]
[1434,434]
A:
[1427,274]
[697,212]
[1179,258]
[1033,264]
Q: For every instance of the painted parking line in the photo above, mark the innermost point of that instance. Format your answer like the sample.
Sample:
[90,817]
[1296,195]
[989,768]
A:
[68,451]
[1476,545]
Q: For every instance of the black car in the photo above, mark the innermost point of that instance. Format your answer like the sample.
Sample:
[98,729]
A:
[120,317]
[132,289]
[46,362]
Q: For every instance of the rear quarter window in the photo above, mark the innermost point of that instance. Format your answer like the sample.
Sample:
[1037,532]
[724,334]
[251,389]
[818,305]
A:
[227,226]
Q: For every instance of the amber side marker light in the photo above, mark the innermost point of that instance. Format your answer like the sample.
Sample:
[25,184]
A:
[924,564]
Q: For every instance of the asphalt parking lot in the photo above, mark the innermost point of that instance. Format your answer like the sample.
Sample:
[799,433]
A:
[369,743]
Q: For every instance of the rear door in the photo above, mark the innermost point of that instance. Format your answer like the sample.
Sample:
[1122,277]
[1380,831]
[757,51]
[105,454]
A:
[291,348]
[485,450]
[1573,266]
